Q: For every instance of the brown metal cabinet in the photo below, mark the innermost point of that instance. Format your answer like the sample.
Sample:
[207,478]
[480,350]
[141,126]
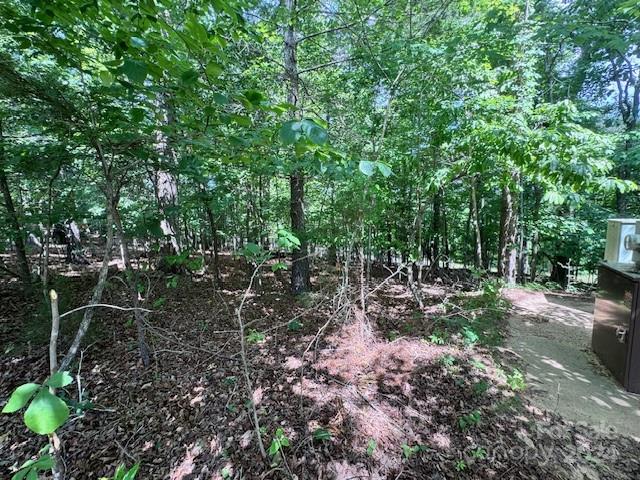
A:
[616,333]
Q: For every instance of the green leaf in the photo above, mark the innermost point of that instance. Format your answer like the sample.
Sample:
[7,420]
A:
[371,447]
[59,380]
[135,70]
[294,325]
[367,167]
[131,474]
[20,397]
[314,132]
[213,70]
[321,434]
[106,78]
[137,42]
[46,413]
[137,115]
[190,76]
[278,266]
[290,132]
[385,169]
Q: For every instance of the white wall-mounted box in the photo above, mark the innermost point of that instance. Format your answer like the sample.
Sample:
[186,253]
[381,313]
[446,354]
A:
[617,229]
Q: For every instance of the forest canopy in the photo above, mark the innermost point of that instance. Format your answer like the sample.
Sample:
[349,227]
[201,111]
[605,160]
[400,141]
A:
[188,142]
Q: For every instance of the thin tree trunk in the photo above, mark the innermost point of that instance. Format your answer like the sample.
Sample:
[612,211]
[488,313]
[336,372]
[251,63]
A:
[54,441]
[14,223]
[508,253]
[436,222]
[475,220]
[95,298]
[165,182]
[216,245]
[132,281]
[535,237]
[300,272]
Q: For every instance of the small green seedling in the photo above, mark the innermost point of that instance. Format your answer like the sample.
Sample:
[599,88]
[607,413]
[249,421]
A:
[469,336]
[371,447]
[448,360]
[123,474]
[516,381]
[294,325]
[46,412]
[479,453]
[469,420]
[479,388]
[321,434]
[255,337]
[478,364]
[32,468]
[437,338]
[278,443]
[461,466]
[410,451]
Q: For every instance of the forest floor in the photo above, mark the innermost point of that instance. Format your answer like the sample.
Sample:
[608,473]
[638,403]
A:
[552,334]
[396,393]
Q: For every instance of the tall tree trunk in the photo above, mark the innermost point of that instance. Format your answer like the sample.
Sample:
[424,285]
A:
[436,223]
[165,182]
[508,254]
[132,281]
[535,236]
[95,298]
[475,220]
[300,272]
[216,245]
[14,222]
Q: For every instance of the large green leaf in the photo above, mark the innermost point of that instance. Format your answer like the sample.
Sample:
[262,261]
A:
[20,397]
[367,167]
[290,132]
[135,70]
[385,169]
[314,132]
[59,380]
[45,413]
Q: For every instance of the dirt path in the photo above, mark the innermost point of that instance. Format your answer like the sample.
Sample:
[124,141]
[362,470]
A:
[552,335]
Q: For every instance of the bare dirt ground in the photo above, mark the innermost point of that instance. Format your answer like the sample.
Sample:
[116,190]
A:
[367,398]
[552,335]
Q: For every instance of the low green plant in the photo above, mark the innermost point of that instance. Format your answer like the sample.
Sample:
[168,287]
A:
[516,381]
[278,442]
[46,412]
[469,336]
[371,447]
[437,338]
[294,325]
[255,337]
[461,466]
[32,468]
[321,434]
[409,451]
[469,420]
[480,387]
[478,364]
[448,360]
[393,335]
[122,473]
[479,453]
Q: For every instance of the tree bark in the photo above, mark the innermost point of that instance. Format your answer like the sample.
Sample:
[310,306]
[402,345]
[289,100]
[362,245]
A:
[14,223]
[508,254]
[95,298]
[165,182]
[300,272]
[475,220]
